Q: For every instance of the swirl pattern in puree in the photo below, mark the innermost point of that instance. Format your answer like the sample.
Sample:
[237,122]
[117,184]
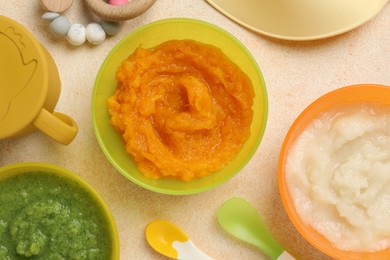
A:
[183,107]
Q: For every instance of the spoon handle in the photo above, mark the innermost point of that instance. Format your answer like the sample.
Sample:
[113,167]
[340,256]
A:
[188,251]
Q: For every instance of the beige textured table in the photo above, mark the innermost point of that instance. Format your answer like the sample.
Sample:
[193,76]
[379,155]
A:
[296,73]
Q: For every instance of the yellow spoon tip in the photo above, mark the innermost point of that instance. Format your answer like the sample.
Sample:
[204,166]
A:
[160,234]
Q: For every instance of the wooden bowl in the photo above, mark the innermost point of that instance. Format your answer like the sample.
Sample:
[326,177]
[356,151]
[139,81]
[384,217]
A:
[118,13]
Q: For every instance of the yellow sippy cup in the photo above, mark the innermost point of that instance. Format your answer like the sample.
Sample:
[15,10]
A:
[29,87]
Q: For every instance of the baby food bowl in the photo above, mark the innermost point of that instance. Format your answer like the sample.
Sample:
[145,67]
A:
[150,36]
[33,167]
[339,98]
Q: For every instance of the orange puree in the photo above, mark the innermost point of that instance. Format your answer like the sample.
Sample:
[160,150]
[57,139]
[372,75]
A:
[183,107]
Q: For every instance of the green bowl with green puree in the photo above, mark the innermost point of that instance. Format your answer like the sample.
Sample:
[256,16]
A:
[48,212]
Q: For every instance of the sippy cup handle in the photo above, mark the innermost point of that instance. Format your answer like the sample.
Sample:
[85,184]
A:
[58,126]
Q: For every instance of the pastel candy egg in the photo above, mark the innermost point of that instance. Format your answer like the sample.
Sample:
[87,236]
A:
[118,2]
[111,28]
[94,33]
[60,26]
[76,34]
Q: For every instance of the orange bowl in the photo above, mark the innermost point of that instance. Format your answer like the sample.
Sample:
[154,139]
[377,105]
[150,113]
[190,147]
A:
[339,98]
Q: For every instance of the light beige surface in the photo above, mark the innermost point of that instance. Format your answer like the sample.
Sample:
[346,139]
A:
[296,73]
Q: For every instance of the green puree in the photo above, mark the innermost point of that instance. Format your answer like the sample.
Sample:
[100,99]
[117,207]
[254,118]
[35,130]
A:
[45,216]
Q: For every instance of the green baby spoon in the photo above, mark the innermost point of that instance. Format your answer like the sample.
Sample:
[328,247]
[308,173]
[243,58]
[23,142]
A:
[240,219]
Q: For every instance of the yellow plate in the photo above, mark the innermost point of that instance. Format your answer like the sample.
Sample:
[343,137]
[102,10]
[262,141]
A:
[299,19]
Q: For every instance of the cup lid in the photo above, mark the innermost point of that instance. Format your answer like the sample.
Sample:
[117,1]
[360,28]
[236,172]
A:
[24,78]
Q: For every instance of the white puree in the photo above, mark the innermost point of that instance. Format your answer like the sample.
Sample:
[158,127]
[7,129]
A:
[338,174]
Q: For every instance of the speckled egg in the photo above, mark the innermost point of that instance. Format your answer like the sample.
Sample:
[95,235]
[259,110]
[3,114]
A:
[94,33]
[76,34]
[60,26]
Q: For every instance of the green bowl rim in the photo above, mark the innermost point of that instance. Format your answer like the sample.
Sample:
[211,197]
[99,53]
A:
[54,169]
[261,130]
